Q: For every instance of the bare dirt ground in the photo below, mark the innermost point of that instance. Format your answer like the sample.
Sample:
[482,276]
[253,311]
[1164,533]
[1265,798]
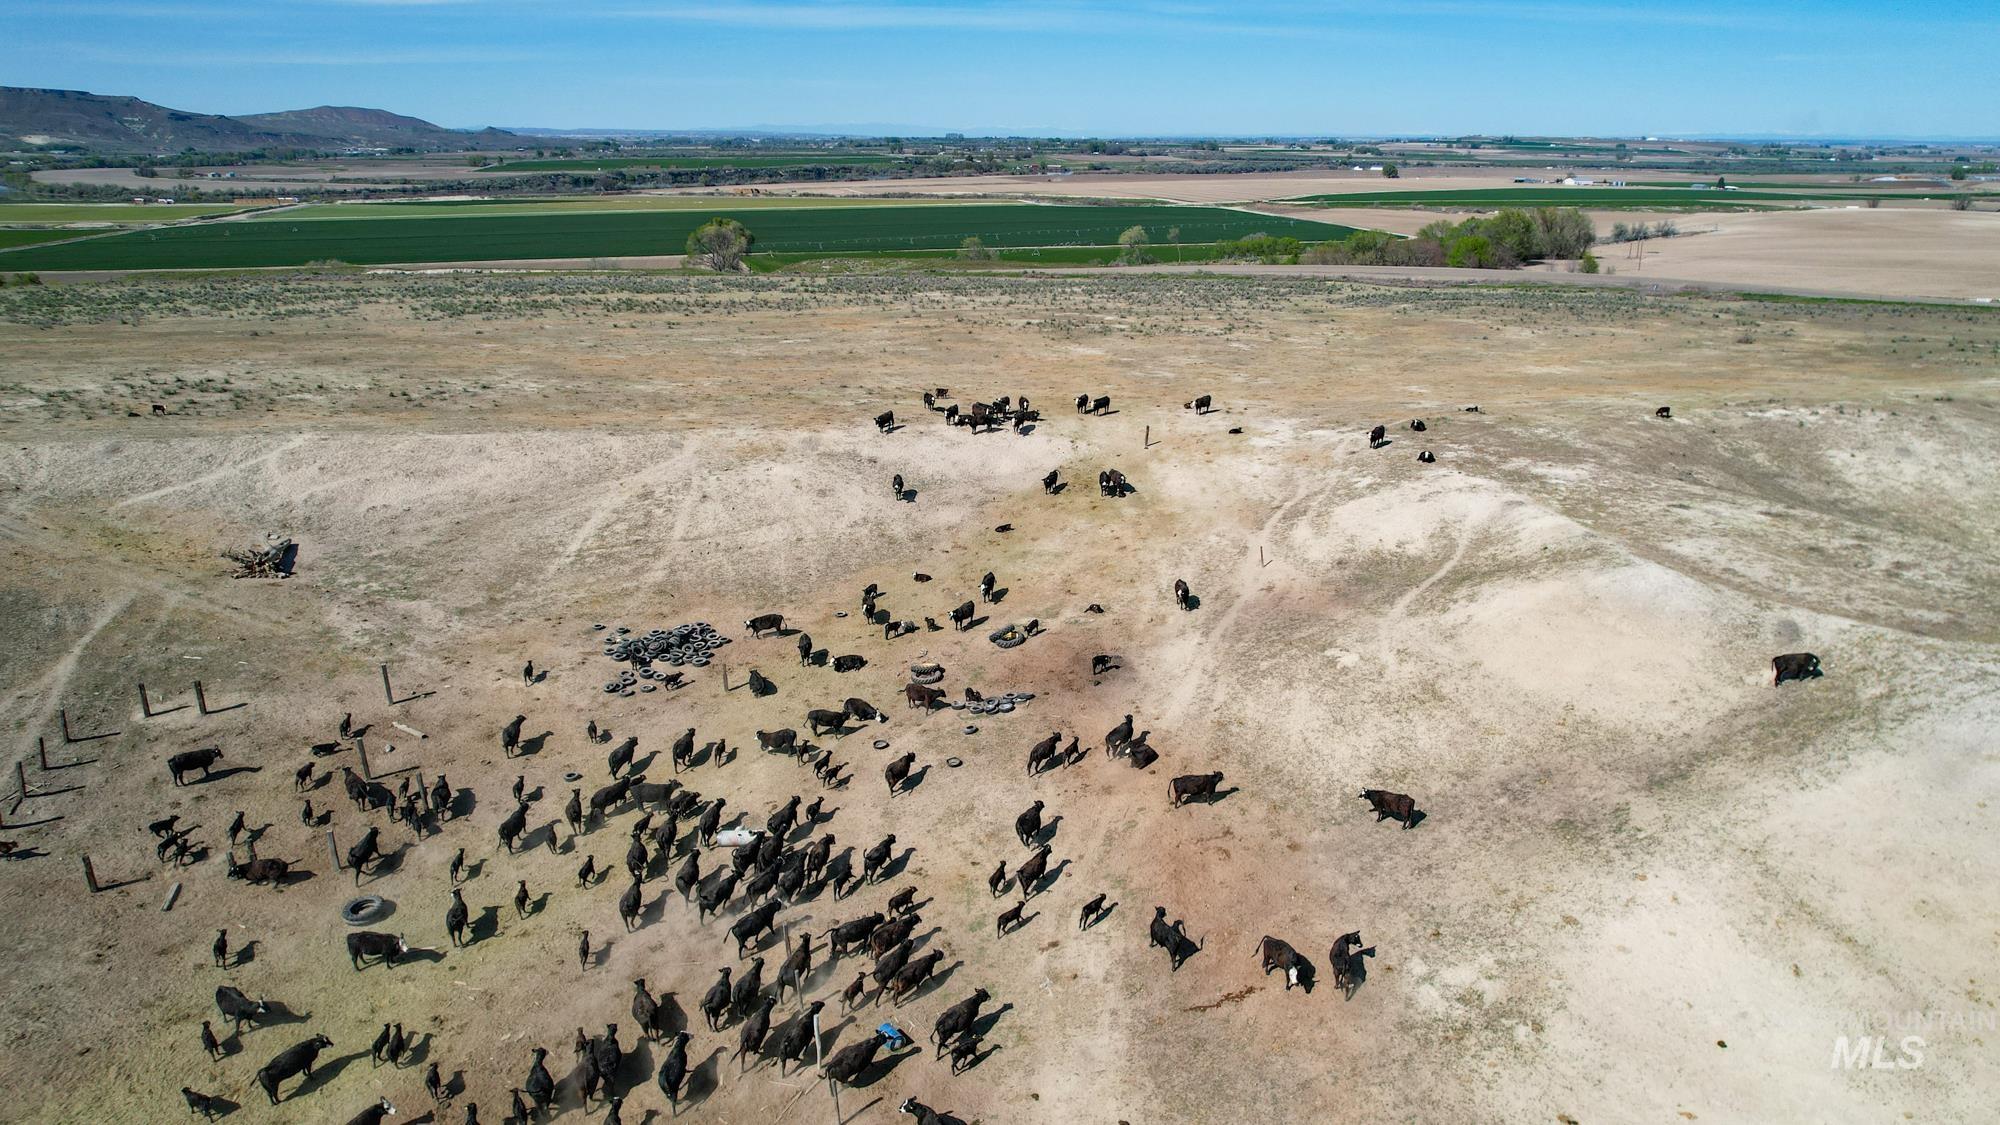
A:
[1648,886]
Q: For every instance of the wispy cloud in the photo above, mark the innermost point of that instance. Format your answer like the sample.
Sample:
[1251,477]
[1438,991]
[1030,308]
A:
[292,56]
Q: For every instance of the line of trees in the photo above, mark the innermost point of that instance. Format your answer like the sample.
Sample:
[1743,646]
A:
[1504,240]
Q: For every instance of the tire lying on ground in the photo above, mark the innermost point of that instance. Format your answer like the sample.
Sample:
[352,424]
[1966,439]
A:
[1008,636]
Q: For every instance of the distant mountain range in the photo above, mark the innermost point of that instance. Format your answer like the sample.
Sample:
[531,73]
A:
[111,123]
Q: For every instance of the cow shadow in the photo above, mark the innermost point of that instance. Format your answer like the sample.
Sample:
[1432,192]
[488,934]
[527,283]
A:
[532,745]
[1222,794]
[881,1068]
[999,595]
[917,778]
[897,865]
[976,623]
[222,1106]
[1099,917]
[1182,949]
[641,765]
[388,863]
[29,852]
[462,804]
[419,953]
[1047,832]
[485,925]
[416,1052]
[213,775]
[1061,487]
[278,1014]
[984,1025]
[599,954]
[703,1078]
[544,836]
[324,1073]
[1193,602]
[472,871]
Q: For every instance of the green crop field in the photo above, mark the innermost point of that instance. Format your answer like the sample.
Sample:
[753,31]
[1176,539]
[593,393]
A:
[12,238]
[109,212]
[603,234]
[700,160]
[442,208]
[1604,197]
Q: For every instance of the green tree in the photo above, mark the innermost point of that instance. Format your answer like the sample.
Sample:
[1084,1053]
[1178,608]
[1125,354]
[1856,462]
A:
[1562,232]
[719,244]
[1470,251]
[1588,264]
[1174,236]
[1132,246]
[974,250]
[1389,171]
[1958,171]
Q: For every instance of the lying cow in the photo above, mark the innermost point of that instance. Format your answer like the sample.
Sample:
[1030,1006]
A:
[1794,666]
[1190,786]
[849,663]
[765,623]
[1400,807]
[1417,426]
[259,871]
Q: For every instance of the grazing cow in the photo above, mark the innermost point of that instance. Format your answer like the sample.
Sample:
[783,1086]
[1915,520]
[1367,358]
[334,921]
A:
[778,741]
[271,871]
[1049,482]
[848,1063]
[1392,806]
[205,1104]
[1182,595]
[384,1108]
[820,721]
[673,1070]
[715,1002]
[1376,435]
[1794,666]
[510,736]
[510,831]
[296,1059]
[385,947]
[1427,457]
[629,906]
[456,917]
[1029,823]
[1091,910]
[1274,953]
[760,685]
[1664,412]
[849,663]
[927,698]
[1010,918]
[897,772]
[1346,961]
[875,859]
[1198,405]
[1100,404]
[1189,786]
[237,1008]
[187,761]
[914,974]
[765,623]
[863,712]
[958,1019]
[1417,426]
[961,617]
[885,422]
[1031,871]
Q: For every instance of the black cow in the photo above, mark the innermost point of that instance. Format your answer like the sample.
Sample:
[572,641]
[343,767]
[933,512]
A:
[1029,823]
[1049,481]
[384,1108]
[1101,663]
[510,736]
[621,754]
[766,623]
[1794,666]
[1376,435]
[1199,405]
[1089,914]
[237,1008]
[875,859]
[791,1046]
[986,587]
[1116,738]
[1346,961]
[1400,807]
[612,794]
[367,848]
[961,617]
[1031,871]
[761,685]
[1111,482]
[540,1085]
[646,1011]
[271,871]
[897,772]
[369,943]
[1417,426]
[715,1002]
[1664,412]
[864,712]
[913,975]
[510,831]
[1009,918]
[750,1037]
[850,1061]
[784,741]
[1082,403]
[1100,404]
[958,1019]
[849,663]
[820,721]
[885,422]
[1182,595]
[1043,752]
[205,1104]
[673,1070]
[296,1059]
[1273,953]
[753,925]
[1427,457]
[189,760]
[851,932]
[1189,786]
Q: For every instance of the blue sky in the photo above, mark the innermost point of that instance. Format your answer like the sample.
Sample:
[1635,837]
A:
[1345,67]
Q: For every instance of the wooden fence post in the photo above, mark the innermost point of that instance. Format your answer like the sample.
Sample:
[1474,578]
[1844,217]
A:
[89,875]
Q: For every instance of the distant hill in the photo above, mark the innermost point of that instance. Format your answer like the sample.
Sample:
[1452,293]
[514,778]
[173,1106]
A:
[113,123]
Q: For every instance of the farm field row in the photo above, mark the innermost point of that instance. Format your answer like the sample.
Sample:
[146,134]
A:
[458,208]
[109,212]
[617,234]
[1608,197]
[715,160]
[10,238]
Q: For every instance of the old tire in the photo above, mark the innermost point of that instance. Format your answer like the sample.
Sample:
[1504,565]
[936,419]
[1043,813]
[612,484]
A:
[361,910]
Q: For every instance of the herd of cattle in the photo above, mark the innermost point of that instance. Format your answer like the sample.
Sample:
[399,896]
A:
[770,870]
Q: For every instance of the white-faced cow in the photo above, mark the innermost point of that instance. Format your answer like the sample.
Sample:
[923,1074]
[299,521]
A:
[1794,666]
[1199,405]
[765,623]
